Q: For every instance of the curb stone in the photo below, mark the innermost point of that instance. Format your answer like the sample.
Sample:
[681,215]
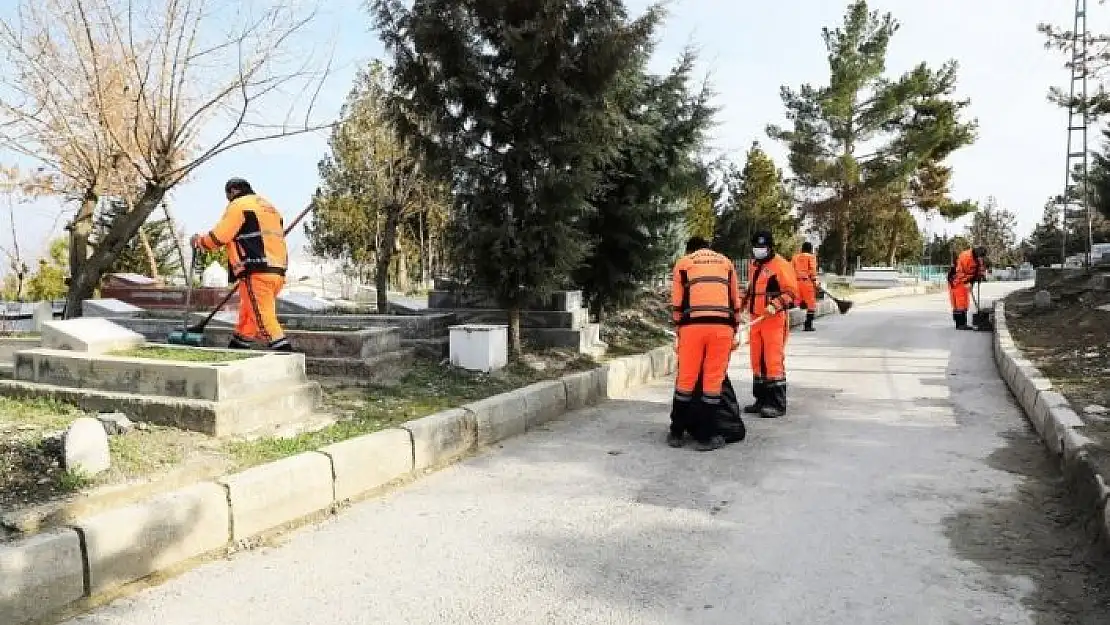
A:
[1059,427]
[45,574]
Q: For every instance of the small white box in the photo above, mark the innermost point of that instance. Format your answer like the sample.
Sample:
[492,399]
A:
[480,347]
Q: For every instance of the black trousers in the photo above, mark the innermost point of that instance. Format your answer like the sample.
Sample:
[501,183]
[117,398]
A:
[704,421]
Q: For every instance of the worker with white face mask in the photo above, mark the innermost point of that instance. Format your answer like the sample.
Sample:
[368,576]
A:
[771,292]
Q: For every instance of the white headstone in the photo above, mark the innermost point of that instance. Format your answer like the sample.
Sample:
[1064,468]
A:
[85,447]
[44,312]
[109,307]
[478,347]
[90,335]
[302,304]
[214,275]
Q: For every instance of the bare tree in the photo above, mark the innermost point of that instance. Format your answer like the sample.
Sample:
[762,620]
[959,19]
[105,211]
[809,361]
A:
[129,97]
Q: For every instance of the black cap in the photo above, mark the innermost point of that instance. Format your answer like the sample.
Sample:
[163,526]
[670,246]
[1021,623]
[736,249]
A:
[238,186]
[979,252]
[696,243]
[763,238]
[807,247]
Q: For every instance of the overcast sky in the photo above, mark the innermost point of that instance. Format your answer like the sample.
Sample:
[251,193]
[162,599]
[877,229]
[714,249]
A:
[749,48]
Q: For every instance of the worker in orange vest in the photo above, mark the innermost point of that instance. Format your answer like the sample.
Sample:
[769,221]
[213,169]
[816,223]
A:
[805,267]
[253,232]
[970,267]
[705,299]
[771,292]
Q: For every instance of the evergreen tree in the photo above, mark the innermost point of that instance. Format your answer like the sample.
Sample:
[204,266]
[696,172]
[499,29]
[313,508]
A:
[863,138]
[638,202]
[513,99]
[1042,246]
[995,228]
[757,199]
[155,243]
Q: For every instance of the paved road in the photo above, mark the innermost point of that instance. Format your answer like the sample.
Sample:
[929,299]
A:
[904,488]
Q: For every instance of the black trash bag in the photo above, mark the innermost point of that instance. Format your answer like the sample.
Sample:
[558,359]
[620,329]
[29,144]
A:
[726,418]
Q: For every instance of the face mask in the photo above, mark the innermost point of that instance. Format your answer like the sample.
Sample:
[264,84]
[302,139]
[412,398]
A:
[760,253]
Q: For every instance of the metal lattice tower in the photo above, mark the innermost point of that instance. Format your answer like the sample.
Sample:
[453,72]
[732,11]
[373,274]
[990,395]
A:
[1077,162]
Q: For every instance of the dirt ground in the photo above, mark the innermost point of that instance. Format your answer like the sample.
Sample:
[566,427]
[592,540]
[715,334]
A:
[1069,341]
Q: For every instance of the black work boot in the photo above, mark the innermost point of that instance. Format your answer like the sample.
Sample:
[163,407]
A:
[961,321]
[808,327]
[715,442]
[238,343]
[280,345]
[680,418]
[775,405]
[759,391]
[675,440]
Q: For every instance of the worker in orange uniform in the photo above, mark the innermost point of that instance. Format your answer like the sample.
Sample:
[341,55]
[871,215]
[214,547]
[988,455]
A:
[805,268]
[705,297]
[771,292]
[253,232]
[970,267]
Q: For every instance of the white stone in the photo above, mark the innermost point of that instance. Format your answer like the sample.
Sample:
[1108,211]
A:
[1096,409]
[90,335]
[85,448]
[109,307]
[44,312]
[115,423]
[214,275]
[479,347]
[1042,299]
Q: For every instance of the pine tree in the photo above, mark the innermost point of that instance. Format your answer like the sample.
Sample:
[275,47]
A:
[155,243]
[637,204]
[758,200]
[995,228]
[863,135]
[1042,247]
[513,99]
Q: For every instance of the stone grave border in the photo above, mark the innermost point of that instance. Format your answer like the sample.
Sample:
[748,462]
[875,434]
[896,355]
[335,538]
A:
[66,570]
[1059,427]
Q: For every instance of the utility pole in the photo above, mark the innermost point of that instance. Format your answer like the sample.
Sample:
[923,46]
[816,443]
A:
[1077,160]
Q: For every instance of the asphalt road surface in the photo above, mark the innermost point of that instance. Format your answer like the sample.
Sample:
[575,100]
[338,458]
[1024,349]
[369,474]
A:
[903,488]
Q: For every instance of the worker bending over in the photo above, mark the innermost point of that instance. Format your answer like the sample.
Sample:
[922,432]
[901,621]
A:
[772,290]
[805,268]
[253,232]
[705,299]
[970,268]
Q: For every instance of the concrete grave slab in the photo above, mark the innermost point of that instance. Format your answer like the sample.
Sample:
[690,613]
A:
[302,303]
[109,307]
[90,336]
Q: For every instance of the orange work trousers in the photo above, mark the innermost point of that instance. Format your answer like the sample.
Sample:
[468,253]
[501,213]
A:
[767,346]
[258,319]
[960,297]
[703,350]
[807,291]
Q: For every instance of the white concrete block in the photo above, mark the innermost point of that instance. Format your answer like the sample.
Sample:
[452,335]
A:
[368,462]
[664,362]
[40,575]
[441,438]
[479,347]
[269,496]
[109,307]
[44,312]
[544,402]
[130,543]
[500,417]
[584,389]
[91,335]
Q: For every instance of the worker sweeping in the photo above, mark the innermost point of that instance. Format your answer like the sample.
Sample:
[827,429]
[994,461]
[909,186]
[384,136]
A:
[970,268]
[705,297]
[805,268]
[771,291]
[251,230]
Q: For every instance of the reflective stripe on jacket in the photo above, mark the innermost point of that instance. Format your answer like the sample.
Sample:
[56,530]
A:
[705,289]
[253,232]
[770,282]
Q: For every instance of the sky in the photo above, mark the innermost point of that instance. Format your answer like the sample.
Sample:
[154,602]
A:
[748,49]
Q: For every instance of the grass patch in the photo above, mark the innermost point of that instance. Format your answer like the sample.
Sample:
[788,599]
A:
[31,418]
[182,354]
[426,388]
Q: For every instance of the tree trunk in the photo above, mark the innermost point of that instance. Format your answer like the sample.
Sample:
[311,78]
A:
[79,233]
[151,261]
[83,283]
[385,256]
[516,346]
[844,245]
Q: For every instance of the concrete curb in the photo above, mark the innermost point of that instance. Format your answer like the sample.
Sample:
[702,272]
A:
[1054,420]
[46,574]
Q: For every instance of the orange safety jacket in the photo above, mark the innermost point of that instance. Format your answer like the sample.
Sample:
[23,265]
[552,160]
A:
[967,269]
[705,289]
[770,282]
[805,267]
[253,231]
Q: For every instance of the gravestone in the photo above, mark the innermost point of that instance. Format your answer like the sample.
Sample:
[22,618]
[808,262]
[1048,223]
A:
[44,312]
[109,307]
[85,447]
[1042,299]
[90,335]
[302,304]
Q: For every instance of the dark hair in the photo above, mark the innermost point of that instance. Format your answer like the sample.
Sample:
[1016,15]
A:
[696,243]
[238,187]
[807,247]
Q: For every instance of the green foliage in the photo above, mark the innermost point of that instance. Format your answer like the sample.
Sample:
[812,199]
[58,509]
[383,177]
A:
[513,99]
[866,142]
[134,257]
[943,250]
[996,228]
[1042,246]
[757,199]
[48,282]
[700,215]
[637,205]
